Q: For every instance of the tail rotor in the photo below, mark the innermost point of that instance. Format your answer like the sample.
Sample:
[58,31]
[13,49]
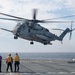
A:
[71,29]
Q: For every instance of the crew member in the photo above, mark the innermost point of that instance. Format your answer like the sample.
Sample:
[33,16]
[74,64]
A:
[0,62]
[17,62]
[9,62]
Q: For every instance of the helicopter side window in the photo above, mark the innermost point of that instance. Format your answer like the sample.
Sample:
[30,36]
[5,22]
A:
[29,30]
[23,27]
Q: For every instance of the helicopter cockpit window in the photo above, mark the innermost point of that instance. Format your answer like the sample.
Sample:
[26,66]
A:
[18,24]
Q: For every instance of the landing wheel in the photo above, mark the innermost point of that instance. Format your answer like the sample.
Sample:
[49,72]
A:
[45,43]
[32,42]
[15,37]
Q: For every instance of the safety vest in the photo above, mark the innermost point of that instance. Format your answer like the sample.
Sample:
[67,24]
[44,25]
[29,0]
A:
[16,58]
[9,59]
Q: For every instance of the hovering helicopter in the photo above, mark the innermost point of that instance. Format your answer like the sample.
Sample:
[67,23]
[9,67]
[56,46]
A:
[31,30]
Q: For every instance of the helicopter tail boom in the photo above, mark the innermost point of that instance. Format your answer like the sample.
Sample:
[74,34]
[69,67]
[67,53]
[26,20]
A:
[63,34]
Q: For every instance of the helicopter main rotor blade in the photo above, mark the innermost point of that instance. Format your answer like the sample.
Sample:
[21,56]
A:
[34,14]
[34,19]
[43,21]
[6,30]
[10,19]
[12,16]
[61,17]
[38,21]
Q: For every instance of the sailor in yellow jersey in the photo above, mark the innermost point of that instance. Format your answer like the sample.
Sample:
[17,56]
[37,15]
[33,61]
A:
[17,62]
[9,62]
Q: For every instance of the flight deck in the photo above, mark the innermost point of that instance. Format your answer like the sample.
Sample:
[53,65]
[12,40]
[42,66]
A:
[42,67]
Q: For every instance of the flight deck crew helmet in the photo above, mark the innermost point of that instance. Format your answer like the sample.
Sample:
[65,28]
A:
[16,53]
[9,54]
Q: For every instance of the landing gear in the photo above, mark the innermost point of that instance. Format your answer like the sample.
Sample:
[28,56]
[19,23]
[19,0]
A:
[45,43]
[32,42]
[50,43]
[15,37]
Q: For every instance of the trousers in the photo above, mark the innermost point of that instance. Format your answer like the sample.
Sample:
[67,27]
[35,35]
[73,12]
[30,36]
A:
[16,65]
[9,64]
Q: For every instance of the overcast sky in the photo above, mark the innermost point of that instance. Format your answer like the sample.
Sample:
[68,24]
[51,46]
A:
[47,9]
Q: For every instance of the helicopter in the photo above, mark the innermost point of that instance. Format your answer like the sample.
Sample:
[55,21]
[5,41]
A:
[31,29]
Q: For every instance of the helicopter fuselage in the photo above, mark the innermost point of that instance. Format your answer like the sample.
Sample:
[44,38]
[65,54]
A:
[34,32]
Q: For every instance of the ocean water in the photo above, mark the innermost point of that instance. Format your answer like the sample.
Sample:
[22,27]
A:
[52,55]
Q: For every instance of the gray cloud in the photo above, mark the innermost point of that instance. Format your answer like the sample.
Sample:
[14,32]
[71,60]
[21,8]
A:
[1,6]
